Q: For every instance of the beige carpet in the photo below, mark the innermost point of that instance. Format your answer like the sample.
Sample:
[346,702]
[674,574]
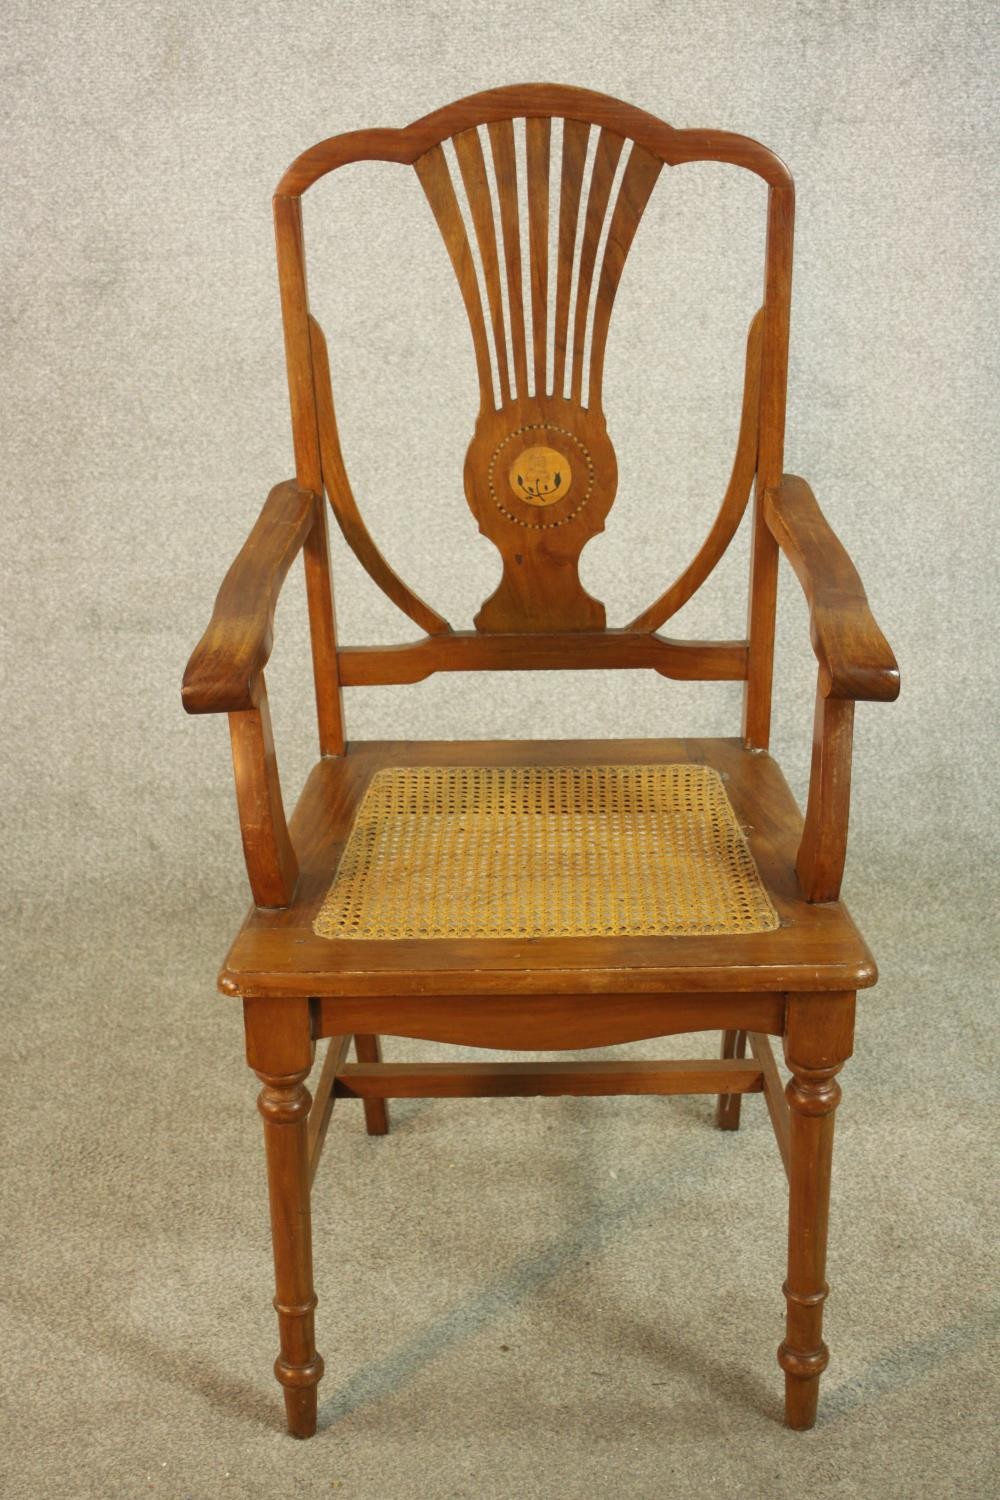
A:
[517,1298]
[557,1298]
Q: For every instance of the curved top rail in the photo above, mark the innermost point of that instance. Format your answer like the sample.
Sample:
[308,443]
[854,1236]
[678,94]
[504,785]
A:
[533,100]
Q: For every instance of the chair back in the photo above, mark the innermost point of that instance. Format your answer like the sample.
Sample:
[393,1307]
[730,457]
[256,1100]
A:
[541,470]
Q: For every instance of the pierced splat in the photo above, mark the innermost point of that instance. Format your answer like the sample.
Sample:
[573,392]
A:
[540,472]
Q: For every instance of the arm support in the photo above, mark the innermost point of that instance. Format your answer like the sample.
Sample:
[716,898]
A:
[854,657]
[855,662]
[267,846]
[226,675]
[226,664]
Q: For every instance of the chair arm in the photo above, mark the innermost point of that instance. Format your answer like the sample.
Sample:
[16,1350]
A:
[225,667]
[854,656]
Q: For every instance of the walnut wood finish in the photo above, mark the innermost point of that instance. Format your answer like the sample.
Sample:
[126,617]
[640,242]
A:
[734,502]
[815,947]
[338,488]
[763,550]
[519,411]
[309,469]
[530,1079]
[637,184]
[819,1032]
[774,1091]
[538,145]
[468,651]
[226,664]
[540,524]
[854,658]
[323,1100]
[368,1050]
[548,1023]
[855,662]
[538,103]
[502,148]
[540,586]
[819,863]
[727,1110]
[280,1050]
[267,847]
[540,477]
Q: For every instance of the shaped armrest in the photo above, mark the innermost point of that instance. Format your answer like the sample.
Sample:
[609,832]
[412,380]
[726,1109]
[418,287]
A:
[224,669]
[854,656]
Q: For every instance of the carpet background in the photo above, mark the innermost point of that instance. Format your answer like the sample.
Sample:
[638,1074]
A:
[551,1298]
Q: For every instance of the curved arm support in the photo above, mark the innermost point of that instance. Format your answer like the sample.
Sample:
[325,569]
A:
[855,663]
[267,846]
[823,846]
[226,665]
[855,660]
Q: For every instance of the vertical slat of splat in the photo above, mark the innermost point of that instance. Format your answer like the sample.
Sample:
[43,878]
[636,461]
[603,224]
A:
[576,134]
[638,181]
[609,149]
[538,137]
[435,179]
[469,150]
[505,167]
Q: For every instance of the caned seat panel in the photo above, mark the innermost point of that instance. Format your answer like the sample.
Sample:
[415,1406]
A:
[807,947]
[545,851]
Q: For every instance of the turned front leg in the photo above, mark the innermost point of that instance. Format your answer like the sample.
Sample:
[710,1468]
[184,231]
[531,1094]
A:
[818,1037]
[284,1104]
[812,1096]
[280,1051]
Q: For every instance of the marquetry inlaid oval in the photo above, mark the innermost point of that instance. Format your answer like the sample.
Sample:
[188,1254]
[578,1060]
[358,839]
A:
[540,476]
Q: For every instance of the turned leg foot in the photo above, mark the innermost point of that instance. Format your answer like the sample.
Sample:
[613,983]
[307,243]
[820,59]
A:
[816,1043]
[300,1408]
[727,1110]
[368,1050]
[284,1104]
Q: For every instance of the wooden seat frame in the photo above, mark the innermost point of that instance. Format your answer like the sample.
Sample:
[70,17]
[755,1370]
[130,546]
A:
[798,982]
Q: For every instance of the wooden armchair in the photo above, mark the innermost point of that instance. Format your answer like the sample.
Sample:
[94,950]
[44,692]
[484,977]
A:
[521,894]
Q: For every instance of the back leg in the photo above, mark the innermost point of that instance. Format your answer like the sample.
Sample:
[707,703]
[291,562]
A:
[368,1050]
[727,1111]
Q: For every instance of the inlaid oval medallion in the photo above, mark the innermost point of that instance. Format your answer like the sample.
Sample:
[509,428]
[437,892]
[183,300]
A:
[540,476]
